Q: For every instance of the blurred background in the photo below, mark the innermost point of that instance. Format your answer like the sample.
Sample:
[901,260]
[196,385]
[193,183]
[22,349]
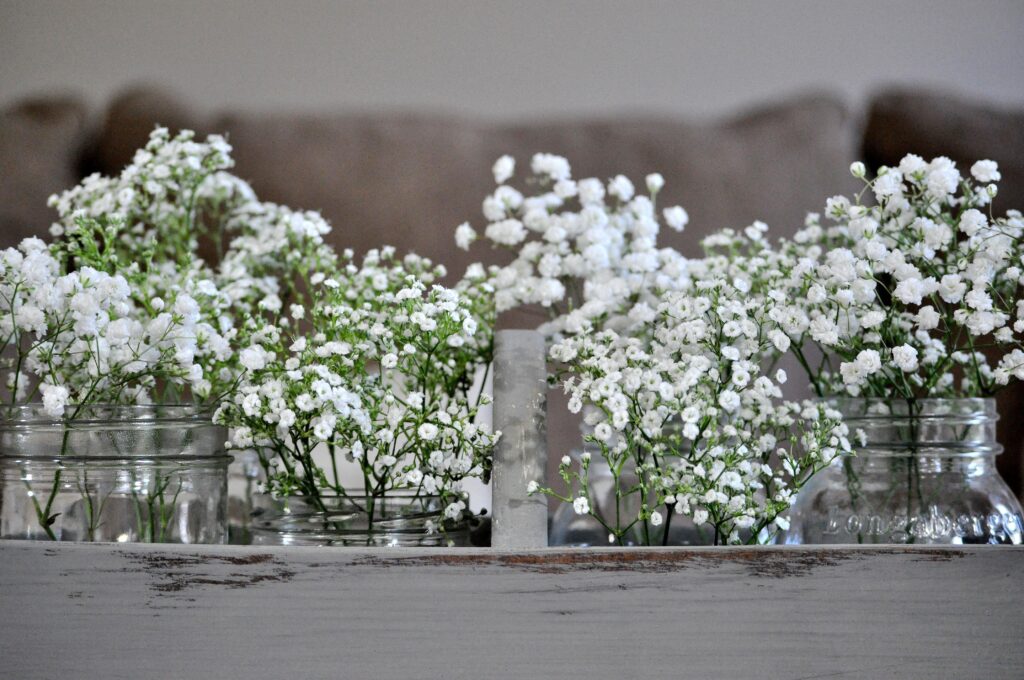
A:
[387,115]
[508,59]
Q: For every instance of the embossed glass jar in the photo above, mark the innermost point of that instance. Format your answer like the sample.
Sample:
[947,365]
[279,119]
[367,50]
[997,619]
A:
[151,474]
[922,472]
[397,519]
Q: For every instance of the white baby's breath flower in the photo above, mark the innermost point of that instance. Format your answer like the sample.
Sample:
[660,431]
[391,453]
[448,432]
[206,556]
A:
[253,358]
[676,218]
[729,400]
[464,236]
[581,505]
[986,171]
[508,232]
[621,188]
[55,399]
[552,166]
[905,358]
[503,169]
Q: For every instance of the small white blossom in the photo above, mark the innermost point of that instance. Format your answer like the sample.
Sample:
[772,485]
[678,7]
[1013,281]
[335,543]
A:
[986,172]
[464,236]
[905,358]
[427,432]
[503,169]
[55,399]
[676,218]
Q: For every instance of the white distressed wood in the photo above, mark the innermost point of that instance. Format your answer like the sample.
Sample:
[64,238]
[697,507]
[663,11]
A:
[520,403]
[247,613]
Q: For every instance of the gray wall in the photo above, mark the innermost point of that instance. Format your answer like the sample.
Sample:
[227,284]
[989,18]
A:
[528,58]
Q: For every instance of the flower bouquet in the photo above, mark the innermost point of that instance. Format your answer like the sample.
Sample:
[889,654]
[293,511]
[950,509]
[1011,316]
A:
[669,359]
[131,354]
[910,318]
[374,369]
[117,342]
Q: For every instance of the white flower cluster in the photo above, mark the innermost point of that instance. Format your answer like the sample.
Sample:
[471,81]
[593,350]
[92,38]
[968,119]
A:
[156,224]
[914,283]
[145,225]
[81,337]
[903,294]
[693,415]
[375,367]
[664,355]
[174,190]
[172,281]
[273,252]
[586,250]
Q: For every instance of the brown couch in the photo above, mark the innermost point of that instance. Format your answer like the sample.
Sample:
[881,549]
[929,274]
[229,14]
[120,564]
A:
[408,180]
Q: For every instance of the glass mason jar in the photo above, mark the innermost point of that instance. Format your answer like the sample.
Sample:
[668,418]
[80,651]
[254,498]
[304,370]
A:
[245,474]
[567,528]
[923,472]
[398,519]
[570,529]
[150,474]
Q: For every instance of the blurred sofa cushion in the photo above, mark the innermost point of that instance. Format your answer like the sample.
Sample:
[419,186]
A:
[935,124]
[127,122]
[40,145]
[409,180]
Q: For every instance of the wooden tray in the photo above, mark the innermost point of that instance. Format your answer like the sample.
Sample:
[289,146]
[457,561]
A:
[226,612]
[518,610]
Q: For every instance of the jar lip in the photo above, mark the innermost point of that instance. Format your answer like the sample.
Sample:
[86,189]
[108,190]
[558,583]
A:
[900,400]
[867,408]
[937,450]
[359,494]
[93,415]
[396,508]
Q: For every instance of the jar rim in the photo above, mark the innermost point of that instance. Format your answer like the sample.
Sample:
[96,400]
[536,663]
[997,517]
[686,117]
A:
[398,494]
[901,400]
[958,427]
[868,408]
[91,415]
[402,513]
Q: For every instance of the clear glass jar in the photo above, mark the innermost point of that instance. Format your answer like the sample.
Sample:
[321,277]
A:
[570,529]
[245,474]
[567,528]
[398,519]
[923,472]
[151,474]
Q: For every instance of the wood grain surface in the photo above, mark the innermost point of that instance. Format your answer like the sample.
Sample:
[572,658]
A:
[225,612]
